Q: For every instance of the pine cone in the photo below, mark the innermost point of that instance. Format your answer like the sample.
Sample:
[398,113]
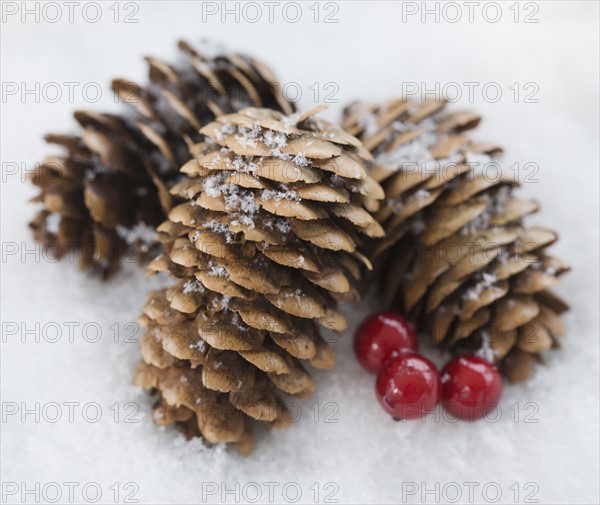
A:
[457,256]
[264,247]
[110,189]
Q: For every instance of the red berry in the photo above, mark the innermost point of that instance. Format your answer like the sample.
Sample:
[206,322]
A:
[408,387]
[381,337]
[471,386]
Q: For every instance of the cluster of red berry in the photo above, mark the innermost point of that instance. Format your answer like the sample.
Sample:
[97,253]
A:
[409,386]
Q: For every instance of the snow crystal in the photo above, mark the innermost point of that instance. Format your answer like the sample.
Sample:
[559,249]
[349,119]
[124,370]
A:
[416,153]
[271,194]
[213,226]
[421,194]
[485,351]
[481,222]
[336,180]
[488,278]
[400,127]
[241,203]
[486,281]
[477,159]
[238,323]
[227,129]
[295,294]
[483,165]
[244,164]
[192,286]
[283,226]
[418,225]
[225,302]
[217,270]
[301,160]
[53,222]
[214,185]
[500,198]
[407,155]
[139,232]
[276,141]
[248,137]
[241,200]
[201,345]
[369,124]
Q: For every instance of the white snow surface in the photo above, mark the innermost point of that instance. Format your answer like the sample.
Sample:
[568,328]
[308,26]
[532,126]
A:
[364,456]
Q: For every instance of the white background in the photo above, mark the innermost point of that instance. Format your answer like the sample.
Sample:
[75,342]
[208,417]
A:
[365,457]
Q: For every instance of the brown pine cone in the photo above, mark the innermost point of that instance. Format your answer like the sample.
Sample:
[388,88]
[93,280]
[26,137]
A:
[265,245]
[457,256]
[110,189]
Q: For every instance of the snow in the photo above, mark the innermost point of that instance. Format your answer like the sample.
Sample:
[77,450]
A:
[341,440]
[53,222]
[487,280]
[273,194]
[336,180]
[192,286]
[481,222]
[214,226]
[486,351]
[138,232]
[368,123]
[301,160]
[247,137]
[282,225]
[217,270]
[276,141]
[200,345]
[240,203]
[244,164]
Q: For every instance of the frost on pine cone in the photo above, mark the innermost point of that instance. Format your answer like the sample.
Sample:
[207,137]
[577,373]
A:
[457,256]
[110,188]
[264,247]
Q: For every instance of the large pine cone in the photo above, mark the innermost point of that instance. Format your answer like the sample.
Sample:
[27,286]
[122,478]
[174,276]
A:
[457,256]
[264,247]
[110,189]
